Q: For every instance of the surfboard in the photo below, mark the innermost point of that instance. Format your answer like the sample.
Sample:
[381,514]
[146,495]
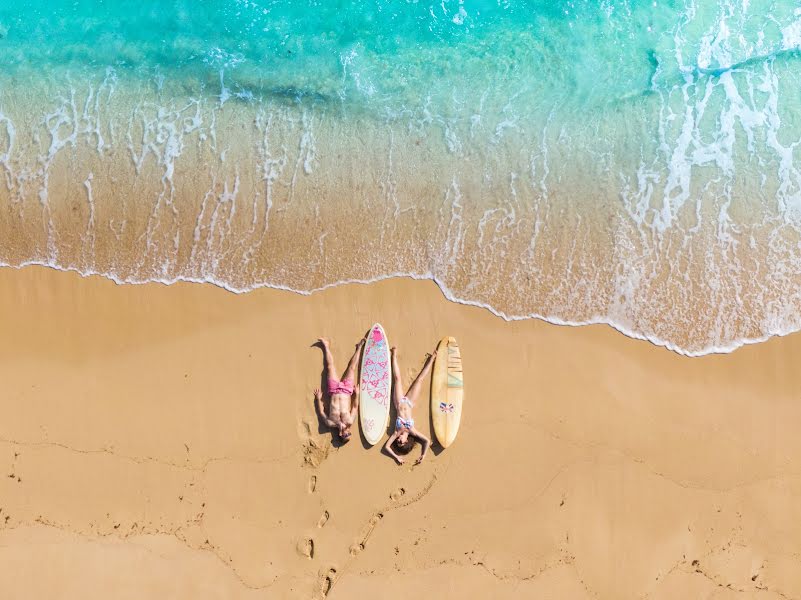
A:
[375,385]
[447,391]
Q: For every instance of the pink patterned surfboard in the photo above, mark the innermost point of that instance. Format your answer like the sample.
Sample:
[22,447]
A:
[375,382]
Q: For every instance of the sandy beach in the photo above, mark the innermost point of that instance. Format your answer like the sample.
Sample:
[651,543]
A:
[161,442]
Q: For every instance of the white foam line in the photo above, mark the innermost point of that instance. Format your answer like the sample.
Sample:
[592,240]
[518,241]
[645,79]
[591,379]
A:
[90,224]
[199,227]
[5,157]
[271,168]
[446,292]
[306,155]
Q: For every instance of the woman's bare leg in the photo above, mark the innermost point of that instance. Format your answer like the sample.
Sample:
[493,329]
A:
[328,360]
[350,370]
[414,390]
[397,384]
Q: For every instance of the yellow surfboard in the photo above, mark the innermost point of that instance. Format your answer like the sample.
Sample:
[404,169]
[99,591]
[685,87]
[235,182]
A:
[447,391]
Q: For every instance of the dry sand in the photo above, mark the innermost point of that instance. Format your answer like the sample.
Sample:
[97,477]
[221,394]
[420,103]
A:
[161,442]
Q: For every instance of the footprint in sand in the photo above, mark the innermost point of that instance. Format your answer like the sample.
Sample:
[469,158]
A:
[328,581]
[323,520]
[312,484]
[305,547]
[315,452]
[366,533]
[397,494]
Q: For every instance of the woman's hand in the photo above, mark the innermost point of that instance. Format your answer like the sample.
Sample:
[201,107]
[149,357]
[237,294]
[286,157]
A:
[399,459]
[318,395]
[419,460]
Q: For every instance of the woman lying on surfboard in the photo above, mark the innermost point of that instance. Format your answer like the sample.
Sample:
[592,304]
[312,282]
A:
[405,436]
[342,412]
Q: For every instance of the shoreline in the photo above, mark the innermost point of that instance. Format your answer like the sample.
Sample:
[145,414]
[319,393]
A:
[499,222]
[173,427]
[446,293]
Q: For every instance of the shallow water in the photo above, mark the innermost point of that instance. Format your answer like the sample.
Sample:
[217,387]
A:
[631,163]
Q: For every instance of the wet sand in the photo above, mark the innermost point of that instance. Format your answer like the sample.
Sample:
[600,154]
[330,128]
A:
[161,441]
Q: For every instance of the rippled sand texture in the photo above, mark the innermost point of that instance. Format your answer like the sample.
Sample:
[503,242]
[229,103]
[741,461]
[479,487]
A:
[161,441]
[635,168]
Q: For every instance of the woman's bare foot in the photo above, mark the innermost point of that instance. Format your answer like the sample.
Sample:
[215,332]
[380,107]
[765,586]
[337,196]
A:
[393,350]
[360,344]
[324,342]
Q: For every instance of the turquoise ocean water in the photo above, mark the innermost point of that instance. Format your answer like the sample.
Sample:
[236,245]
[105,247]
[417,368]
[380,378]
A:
[631,163]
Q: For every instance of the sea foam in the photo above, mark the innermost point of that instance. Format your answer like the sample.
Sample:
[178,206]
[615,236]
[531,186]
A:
[632,165]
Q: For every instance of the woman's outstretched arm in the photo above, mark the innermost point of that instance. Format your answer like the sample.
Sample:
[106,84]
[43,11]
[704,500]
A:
[390,451]
[426,442]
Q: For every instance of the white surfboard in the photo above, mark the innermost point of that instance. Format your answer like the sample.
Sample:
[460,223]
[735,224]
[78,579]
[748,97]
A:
[375,383]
